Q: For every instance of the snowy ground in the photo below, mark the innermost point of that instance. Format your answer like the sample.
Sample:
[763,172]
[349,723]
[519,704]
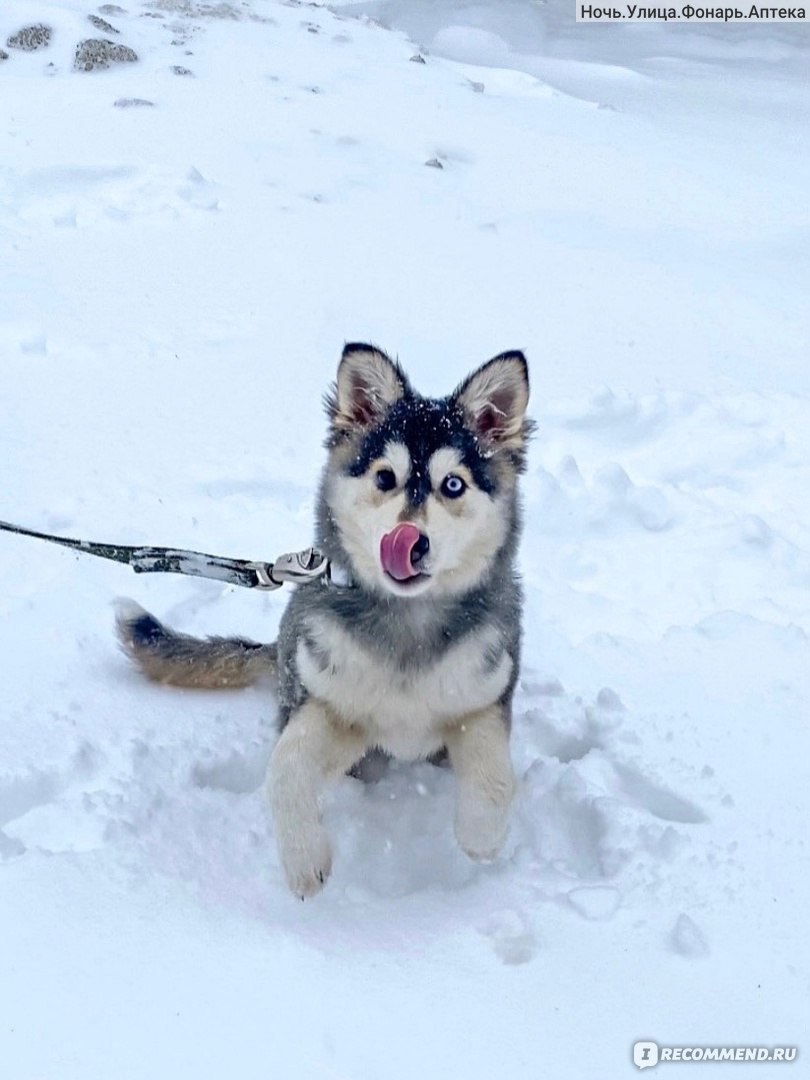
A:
[629,206]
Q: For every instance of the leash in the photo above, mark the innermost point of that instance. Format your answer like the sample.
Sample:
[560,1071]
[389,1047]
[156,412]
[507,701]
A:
[294,567]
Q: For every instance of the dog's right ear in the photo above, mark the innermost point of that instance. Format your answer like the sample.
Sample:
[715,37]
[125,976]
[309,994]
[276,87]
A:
[368,384]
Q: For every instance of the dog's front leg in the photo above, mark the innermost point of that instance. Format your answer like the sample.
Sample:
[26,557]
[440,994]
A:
[313,748]
[478,745]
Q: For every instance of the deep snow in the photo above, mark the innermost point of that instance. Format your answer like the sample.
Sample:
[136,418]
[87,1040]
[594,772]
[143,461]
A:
[629,206]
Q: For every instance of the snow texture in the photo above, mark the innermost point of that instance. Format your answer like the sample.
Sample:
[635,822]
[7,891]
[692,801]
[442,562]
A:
[183,259]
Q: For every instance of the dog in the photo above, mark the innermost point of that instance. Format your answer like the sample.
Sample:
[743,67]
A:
[411,648]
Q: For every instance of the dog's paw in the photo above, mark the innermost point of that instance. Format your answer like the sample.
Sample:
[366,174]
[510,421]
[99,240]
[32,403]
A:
[307,862]
[481,829]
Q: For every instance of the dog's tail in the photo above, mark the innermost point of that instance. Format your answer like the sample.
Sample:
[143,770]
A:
[213,663]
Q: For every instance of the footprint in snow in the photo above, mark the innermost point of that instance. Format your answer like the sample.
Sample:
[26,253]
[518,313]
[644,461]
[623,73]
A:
[511,936]
[687,939]
[47,809]
[238,774]
[595,902]
[656,799]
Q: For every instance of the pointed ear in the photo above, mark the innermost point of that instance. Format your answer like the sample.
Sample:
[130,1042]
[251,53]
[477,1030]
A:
[367,385]
[494,400]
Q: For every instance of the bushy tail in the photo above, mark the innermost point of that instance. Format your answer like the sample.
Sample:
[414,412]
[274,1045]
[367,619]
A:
[213,663]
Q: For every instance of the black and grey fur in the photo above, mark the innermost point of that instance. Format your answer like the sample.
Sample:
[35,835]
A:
[415,668]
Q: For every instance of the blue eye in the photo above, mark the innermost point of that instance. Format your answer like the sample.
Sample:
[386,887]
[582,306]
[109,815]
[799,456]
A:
[385,480]
[453,486]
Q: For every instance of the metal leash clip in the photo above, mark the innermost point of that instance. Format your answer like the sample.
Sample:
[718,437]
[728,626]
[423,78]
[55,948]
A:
[295,567]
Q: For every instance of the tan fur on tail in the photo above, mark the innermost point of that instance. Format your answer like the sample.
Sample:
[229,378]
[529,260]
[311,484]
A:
[213,663]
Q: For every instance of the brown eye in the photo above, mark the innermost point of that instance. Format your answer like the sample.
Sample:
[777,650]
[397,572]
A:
[453,486]
[385,480]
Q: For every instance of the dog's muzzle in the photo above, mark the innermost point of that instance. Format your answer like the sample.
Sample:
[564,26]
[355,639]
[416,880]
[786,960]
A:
[402,551]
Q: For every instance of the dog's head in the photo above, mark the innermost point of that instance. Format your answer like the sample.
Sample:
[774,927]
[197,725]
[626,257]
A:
[420,493]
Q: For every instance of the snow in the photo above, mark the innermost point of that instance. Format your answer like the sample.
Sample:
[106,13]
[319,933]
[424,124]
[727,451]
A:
[627,204]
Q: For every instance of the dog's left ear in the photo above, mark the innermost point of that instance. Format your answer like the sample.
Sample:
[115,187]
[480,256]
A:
[368,383]
[494,400]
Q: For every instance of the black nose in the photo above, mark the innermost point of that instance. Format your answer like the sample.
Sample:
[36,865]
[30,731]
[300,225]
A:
[419,549]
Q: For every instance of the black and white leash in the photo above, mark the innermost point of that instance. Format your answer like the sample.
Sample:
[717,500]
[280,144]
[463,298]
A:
[294,567]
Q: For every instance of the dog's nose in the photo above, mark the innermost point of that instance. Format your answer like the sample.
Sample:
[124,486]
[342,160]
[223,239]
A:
[419,550]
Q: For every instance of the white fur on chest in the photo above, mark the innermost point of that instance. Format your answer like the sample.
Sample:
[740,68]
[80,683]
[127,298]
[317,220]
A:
[403,712]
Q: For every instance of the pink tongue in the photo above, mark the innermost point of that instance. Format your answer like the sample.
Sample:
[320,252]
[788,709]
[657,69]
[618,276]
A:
[395,551]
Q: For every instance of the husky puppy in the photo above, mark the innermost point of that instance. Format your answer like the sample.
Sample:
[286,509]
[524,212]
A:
[412,647]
